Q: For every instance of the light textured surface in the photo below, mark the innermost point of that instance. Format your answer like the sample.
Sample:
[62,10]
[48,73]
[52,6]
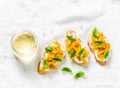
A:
[49,20]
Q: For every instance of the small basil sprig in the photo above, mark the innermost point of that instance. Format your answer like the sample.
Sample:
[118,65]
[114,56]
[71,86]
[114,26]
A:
[45,63]
[57,59]
[72,53]
[48,48]
[81,53]
[66,69]
[106,54]
[98,43]
[70,37]
[79,74]
[95,32]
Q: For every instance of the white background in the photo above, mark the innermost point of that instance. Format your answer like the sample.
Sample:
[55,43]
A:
[49,20]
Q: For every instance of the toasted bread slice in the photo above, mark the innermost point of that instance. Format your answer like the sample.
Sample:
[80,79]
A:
[53,55]
[99,46]
[74,47]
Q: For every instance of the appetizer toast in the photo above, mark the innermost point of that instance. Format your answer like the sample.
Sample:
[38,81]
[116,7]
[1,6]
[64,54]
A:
[74,47]
[53,55]
[99,46]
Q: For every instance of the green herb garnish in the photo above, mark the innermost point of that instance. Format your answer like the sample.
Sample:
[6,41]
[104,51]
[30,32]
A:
[95,32]
[81,53]
[45,63]
[98,43]
[79,74]
[70,37]
[66,69]
[72,53]
[57,59]
[106,54]
[48,48]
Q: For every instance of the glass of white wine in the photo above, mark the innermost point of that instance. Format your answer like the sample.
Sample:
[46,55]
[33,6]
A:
[25,46]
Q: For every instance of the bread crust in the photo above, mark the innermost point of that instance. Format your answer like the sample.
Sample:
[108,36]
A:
[46,71]
[76,60]
[100,62]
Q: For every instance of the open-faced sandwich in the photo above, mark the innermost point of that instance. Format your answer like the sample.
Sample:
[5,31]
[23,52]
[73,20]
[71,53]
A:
[53,55]
[99,46]
[74,47]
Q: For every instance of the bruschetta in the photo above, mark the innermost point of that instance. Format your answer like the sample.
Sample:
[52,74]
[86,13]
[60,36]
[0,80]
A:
[53,55]
[77,52]
[99,46]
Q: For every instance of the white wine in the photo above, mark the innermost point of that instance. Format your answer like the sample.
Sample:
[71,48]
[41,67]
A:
[24,43]
[25,47]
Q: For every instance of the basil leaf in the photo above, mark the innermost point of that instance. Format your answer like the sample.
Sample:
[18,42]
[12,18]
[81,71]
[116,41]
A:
[57,59]
[95,32]
[79,74]
[72,53]
[81,53]
[45,63]
[66,69]
[70,37]
[106,53]
[48,48]
[98,43]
